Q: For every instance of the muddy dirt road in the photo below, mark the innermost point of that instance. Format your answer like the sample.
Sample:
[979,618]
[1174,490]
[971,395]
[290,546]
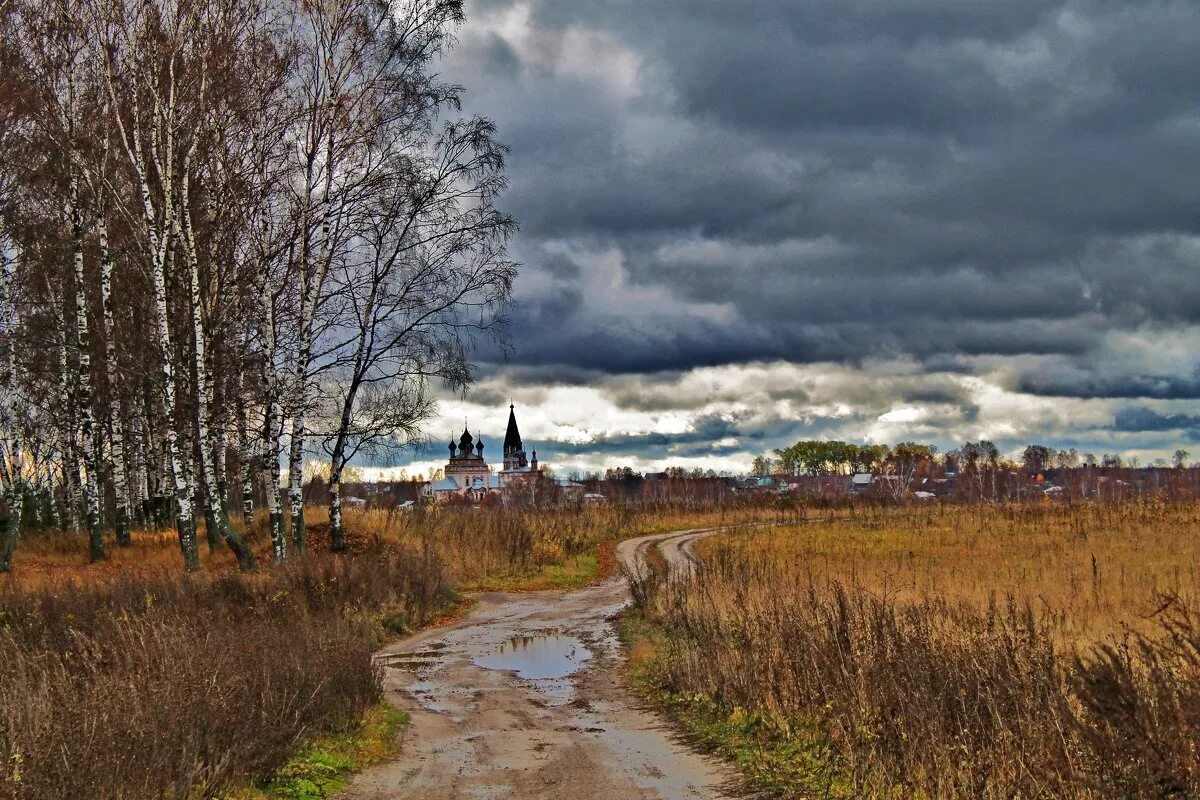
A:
[521,699]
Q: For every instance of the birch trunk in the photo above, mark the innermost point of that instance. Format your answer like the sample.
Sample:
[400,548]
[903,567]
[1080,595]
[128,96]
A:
[362,354]
[270,438]
[12,529]
[245,455]
[337,532]
[162,249]
[35,466]
[153,453]
[220,451]
[56,518]
[84,386]
[185,520]
[296,480]
[140,494]
[215,511]
[313,277]
[67,430]
[10,486]
[116,433]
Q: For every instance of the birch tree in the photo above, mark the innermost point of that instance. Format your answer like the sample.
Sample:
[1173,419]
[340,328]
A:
[11,480]
[433,276]
[245,228]
[216,519]
[156,134]
[116,419]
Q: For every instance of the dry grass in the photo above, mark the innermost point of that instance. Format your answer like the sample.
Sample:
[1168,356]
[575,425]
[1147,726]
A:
[479,548]
[519,550]
[126,679]
[1088,571]
[144,687]
[954,652]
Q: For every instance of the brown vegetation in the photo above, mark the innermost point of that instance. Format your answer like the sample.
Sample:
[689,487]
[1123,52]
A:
[167,687]
[125,680]
[957,652]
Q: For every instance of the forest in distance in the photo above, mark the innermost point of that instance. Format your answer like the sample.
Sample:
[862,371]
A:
[231,232]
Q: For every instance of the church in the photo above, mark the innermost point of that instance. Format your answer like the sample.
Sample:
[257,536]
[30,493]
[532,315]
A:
[468,475]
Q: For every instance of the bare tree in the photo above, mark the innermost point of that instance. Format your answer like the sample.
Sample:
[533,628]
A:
[232,224]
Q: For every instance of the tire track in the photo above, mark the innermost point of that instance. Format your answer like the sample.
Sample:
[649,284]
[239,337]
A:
[483,731]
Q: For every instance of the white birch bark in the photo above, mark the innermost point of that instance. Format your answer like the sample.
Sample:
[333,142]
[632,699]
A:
[162,250]
[116,432]
[10,477]
[83,388]
[14,496]
[150,138]
[140,487]
[215,512]
[67,429]
[245,447]
[271,412]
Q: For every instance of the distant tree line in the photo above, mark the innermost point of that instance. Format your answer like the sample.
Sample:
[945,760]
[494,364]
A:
[831,457]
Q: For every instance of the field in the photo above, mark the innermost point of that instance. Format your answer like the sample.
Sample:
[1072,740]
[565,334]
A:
[126,679]
[1043,650]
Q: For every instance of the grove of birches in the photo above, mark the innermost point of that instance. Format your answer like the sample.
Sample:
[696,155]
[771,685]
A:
[233,234]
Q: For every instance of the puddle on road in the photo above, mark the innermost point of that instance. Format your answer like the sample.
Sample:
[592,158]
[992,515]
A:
[412,662]
[539,656]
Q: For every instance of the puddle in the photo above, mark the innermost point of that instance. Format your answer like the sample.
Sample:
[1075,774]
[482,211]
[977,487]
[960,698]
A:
[538,657]
[431,696]
[411,662]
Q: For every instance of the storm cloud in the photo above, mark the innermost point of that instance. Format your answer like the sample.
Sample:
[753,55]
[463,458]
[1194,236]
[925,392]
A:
[998,200]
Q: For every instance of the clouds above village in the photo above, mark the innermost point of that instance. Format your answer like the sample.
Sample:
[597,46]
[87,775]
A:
[745,223]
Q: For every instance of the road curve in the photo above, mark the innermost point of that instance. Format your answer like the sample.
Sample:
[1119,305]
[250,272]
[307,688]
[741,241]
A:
[521,699]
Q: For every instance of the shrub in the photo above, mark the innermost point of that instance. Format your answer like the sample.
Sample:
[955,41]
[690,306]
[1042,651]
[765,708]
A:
[177,687]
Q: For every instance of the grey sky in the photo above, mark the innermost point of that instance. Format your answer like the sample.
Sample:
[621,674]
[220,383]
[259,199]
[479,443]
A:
[747,223]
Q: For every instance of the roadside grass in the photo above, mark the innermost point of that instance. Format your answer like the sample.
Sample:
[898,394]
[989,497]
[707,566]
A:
[574,572]
[174,686]
[325,766]
[784,760]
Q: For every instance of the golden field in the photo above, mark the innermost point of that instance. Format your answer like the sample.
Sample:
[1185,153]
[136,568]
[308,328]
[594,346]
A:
[1090,571]
[941,651]
[475,548]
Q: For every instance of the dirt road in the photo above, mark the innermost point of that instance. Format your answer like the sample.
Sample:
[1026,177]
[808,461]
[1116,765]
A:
[521,700]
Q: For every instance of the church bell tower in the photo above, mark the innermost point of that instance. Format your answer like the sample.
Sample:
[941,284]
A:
[514,450]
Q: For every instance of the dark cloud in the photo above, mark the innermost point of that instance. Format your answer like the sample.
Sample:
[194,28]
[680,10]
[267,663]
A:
[959,186]
[498,57]
[710,435]
[1082,382]
[1141,418]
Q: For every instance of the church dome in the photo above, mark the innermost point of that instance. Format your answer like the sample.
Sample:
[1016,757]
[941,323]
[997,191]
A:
[465,441]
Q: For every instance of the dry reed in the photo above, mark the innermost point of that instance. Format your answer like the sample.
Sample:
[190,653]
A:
[935,652]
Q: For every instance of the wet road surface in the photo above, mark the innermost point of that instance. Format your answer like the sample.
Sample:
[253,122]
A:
[521,699]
